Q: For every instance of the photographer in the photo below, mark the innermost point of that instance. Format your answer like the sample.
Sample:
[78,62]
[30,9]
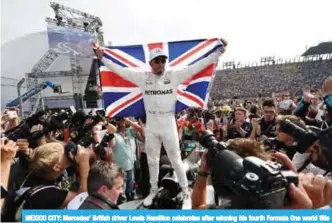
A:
[45,187]
[105,183]
[282,141]
[321,190]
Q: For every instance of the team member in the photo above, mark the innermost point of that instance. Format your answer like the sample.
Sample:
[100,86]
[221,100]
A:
[159,89]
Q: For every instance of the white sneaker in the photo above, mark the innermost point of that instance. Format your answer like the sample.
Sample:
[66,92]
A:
[186,203]
[149,199]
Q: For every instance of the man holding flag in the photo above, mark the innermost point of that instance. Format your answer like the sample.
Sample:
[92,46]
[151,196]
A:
[159,89]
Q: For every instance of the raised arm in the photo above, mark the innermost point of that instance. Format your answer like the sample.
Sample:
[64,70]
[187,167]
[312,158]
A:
[126,73]
[184,74]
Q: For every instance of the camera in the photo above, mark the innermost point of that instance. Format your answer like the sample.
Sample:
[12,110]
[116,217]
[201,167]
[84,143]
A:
[81,134]
[99,149]
[307,137]
[248,182]
[22,131]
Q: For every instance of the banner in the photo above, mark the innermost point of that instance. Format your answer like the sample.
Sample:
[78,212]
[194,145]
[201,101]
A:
[74,42]
[179,216]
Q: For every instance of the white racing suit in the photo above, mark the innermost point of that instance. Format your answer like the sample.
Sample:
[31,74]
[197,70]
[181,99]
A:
[160,96]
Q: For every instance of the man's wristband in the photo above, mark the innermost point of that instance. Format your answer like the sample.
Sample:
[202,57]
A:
[203,174]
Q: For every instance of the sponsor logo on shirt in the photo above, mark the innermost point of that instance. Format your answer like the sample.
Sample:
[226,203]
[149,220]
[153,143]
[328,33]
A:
[159,92]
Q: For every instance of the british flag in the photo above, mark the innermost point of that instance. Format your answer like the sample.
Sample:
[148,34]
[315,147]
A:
[123,98]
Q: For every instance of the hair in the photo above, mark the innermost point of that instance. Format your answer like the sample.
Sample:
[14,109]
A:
[254,109]
[269,102]
[294,119]
[246,147]
[44,157]
[103,174]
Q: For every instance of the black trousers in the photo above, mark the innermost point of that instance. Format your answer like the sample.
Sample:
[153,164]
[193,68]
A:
[143,176]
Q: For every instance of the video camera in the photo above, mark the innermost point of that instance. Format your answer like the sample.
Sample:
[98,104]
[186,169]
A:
[307,137]
[248,182]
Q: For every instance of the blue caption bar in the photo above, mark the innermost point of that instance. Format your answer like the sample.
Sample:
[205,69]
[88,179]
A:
[178,216]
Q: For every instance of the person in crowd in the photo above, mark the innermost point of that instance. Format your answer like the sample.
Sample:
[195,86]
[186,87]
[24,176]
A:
[282,141]
[302,109]
[45,187]
[266,126]
[124,152]
[240,127]
[190,126]
[8,153]
[160,90]
[105,184]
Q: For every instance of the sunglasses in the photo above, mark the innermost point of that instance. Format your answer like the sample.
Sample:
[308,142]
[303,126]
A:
[160,60]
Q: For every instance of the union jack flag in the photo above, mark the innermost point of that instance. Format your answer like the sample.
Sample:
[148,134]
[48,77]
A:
[123,98]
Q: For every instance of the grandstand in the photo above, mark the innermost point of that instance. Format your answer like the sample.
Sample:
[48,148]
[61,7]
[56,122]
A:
[252,80]
[322,48]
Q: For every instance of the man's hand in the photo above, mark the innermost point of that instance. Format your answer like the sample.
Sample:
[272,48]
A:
[82,158]
[127,120]
[224,42]
[254,123]
[327,86]
[238,126]
[318,188]
[99,53]
[23,146]
[299,197]
[8,150]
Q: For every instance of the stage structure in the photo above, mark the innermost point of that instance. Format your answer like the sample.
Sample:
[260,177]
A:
[70,35]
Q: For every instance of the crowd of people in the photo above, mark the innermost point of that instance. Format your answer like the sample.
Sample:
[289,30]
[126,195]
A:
[250,82]
[88,161]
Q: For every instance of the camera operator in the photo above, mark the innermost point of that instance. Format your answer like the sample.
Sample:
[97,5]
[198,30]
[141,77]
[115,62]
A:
[283,141]
[240,128]
[105,183]
[99,133]
[266,126]
[244,148]
[45,187]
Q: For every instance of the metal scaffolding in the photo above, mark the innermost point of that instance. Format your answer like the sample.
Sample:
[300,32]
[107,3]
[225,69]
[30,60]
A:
[70,18]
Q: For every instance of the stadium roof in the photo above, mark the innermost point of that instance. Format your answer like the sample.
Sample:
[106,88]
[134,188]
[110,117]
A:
[321,48]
